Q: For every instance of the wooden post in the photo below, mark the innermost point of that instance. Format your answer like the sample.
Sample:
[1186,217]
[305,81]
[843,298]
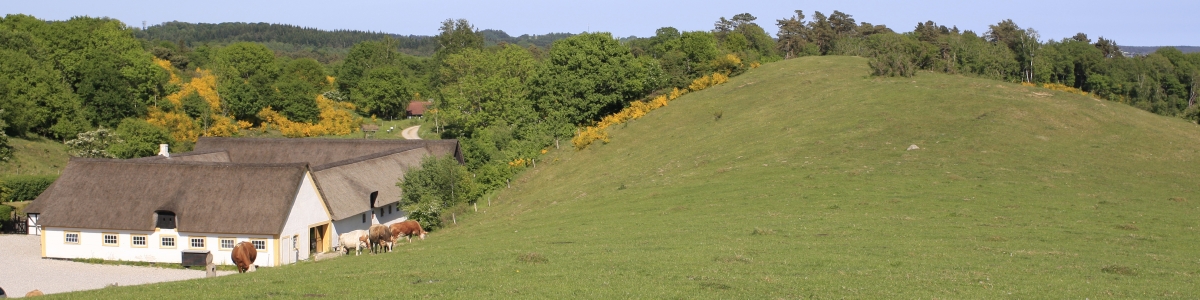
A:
[454,218]
[489,201]
[508,182]
[476,206]
[534,162]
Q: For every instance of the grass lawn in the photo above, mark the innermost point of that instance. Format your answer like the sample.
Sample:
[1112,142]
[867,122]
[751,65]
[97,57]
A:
[802,188]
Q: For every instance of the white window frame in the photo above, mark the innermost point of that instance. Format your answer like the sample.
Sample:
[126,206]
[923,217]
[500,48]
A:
[192,242]
[255,242]
[67,237]
[116,239]
[133,240]
[221,243]
[162,241]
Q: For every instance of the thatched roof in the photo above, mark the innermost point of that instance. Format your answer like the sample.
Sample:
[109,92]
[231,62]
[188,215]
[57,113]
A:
[205,197]
[317,152]
[347,185]
[194,156]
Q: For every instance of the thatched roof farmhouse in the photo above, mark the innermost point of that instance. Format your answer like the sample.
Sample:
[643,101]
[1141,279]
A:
[290,197]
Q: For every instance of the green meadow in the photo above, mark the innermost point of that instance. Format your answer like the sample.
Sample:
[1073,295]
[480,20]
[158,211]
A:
[794,181]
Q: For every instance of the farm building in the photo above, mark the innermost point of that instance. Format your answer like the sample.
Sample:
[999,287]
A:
[417,108]
[356,177]
[143,210]
[352,181]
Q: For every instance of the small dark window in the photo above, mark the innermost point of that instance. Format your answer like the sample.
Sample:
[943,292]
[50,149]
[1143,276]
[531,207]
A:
[164,220]
[389,209]
[364,217]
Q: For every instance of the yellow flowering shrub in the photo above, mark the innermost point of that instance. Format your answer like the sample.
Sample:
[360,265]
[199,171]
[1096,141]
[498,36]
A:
[520,162]
[1064,88]
[336,118]
[181,126]
[1060,87]
[638,109]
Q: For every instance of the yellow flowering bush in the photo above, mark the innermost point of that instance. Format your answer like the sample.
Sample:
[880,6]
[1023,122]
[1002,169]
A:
[638,109]
[336,118]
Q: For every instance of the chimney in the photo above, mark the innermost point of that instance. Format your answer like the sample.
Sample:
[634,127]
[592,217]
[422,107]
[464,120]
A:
[162,150]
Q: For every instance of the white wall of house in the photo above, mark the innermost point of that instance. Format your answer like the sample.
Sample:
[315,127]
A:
[90,244]
[375,216]
[307,211]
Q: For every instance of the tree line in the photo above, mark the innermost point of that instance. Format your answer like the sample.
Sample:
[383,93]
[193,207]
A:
[1165,82]
[325,46]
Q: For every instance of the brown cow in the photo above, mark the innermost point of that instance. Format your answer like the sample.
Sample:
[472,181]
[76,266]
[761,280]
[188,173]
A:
[408,229]
[243,256]
[380,236]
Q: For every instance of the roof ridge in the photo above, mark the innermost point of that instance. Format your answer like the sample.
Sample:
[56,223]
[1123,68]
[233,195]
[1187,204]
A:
[365,158]
[185,163]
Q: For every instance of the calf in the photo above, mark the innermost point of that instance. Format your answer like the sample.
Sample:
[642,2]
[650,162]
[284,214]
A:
[356,240]
[408,229]
[243,256]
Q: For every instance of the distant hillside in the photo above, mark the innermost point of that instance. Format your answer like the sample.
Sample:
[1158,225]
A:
[793,181]
[283,37]
[1144,50]
[197,33]
[493,36]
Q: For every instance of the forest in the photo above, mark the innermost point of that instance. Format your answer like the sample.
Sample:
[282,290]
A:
[108,89]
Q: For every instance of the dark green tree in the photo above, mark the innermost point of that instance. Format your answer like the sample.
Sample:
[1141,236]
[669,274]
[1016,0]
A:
[247,73]
[588,76]
[298,85]
[793,35]
[440,183]
[457,35]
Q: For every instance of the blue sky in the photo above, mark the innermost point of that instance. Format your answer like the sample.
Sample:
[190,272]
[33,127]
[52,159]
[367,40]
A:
[1133,23]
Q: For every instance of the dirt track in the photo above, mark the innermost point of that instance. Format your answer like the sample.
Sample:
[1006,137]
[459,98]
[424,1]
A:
[411,133]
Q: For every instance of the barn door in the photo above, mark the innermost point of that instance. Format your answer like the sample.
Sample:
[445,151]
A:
[285,254]
[318,239]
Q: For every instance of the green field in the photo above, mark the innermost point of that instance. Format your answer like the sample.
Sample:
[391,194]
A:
[802,188]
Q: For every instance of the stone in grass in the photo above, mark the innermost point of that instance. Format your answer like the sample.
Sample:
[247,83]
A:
[913,147]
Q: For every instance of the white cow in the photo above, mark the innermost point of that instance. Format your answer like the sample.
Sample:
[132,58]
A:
[356,240]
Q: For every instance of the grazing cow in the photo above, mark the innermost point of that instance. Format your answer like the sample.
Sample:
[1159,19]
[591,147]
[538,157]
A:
[380,236]
[34,293]
[356,240]
[408,229]
[243,256]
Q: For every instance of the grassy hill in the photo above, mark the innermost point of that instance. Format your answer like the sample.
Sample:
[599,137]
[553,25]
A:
[792,181]
[37,156]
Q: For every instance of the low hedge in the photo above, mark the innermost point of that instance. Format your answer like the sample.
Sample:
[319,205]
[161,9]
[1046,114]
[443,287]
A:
[5,211]
[22,188]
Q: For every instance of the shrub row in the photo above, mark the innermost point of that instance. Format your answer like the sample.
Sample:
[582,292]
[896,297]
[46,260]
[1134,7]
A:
[21,188]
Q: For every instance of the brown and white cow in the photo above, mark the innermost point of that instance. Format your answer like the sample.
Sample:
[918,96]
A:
[380,236]
[243,256]
[408,229]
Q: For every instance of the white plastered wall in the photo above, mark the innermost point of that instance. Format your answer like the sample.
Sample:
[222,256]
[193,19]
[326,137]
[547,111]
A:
[91,245]
[308,210]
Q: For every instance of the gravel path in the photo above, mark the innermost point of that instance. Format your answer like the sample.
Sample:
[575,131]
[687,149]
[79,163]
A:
[24,270]
[411,133]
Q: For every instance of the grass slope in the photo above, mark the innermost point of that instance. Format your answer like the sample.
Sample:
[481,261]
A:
[37,156]
[803,188]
